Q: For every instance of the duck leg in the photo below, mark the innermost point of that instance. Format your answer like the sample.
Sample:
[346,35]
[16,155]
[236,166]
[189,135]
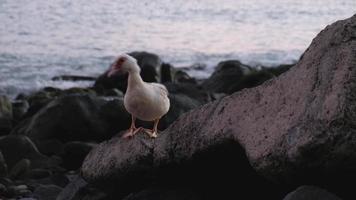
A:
[153,133]
[132,130]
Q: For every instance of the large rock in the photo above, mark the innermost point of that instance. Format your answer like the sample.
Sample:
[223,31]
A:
[149,63]
[76,118]
[226,74]
[296,128]
[307,192]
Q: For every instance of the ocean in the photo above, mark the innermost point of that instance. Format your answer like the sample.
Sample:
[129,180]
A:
[43,39]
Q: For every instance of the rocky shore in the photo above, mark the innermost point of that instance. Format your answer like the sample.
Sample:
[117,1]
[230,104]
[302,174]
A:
[274,133]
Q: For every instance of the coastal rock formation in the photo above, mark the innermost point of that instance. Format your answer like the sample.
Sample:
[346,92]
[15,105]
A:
[297,128]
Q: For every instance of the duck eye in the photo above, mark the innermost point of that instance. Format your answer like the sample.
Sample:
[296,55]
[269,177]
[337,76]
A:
[121,60]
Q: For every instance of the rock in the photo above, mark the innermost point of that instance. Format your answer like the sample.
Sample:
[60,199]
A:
[180,104]
[18,147]
[166,73]
[3,166]
[48,192]
[294,129]
[20,169]
[69,192]
[5,115]
[74,153]
[50,147]
[73,78]
[39,173]
[164,194]
[38,100]
[189,89]
[226,74]
[150,67]
[76,118]
[310,193]
[19,109]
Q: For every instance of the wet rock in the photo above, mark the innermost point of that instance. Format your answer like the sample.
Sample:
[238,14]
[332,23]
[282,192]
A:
[18,147]
[150,67]
[76,118]
[48,192]
[5,115]
[226,74]
[74,153]
[310,193]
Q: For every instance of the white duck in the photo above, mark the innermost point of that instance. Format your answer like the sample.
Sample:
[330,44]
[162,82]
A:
[145,101]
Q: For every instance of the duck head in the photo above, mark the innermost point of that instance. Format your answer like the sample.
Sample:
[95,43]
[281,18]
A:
[124,63]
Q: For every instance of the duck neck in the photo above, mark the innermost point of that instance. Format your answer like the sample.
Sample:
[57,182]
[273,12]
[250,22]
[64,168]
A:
[134,80]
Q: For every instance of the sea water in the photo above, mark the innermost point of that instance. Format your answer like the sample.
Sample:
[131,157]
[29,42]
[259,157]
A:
[42,39]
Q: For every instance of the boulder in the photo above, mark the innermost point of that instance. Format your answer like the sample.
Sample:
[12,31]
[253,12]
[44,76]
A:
[48,192]
[5,115]
[296,128]
[76,118]
[149,63]
[72,78]
[19,109]
[74,153]
[226,74]
[307,192]
[17,147]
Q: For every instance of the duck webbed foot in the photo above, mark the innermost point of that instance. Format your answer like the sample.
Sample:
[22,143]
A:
[151,133]
[131,132]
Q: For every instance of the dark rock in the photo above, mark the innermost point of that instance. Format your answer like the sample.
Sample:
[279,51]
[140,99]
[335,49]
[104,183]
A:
[18,147]
[3,166]
[164,194]
[39,173]
[189,89]
[74,153]
[38,100]
[73,78]
[180,104]
[19,109]
[226,74]
[296,128]
[76,118]
[166,73]
[150,67]
[48,192]
[20,169]
[5,115]
[183,77]
[310,193]
[278,70]
[69,192]
[252,79]
[50,147]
